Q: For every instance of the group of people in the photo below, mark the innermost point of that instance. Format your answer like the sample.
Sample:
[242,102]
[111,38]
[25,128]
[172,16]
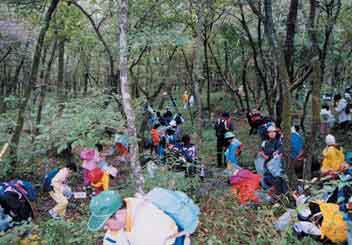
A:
[167,136]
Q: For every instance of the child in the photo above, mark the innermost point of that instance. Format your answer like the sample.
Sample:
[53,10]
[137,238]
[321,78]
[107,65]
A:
[99,179]
[326,120]
[60,191]
[233,151]
[155,138]
[90,159]
[333,156]
[130,221]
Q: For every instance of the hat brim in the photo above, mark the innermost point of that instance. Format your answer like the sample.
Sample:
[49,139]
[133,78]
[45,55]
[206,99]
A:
[95,223]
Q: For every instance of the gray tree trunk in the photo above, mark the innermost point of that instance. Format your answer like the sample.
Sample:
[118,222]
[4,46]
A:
[126,97]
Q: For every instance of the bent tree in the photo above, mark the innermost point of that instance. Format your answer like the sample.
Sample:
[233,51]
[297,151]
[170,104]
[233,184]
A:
[126,97]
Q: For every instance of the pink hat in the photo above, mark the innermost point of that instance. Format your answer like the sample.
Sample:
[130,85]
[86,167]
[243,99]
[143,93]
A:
[90,159]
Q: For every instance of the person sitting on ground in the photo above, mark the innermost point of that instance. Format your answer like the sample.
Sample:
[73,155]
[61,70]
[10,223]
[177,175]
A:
[341,109]
[334,157]
[167,116]
[233,151]
[326,120]
[130,221]
[99,179]
[222,126]
[61,191]
[90,158]
[271,149]
[15,202]
[187,149]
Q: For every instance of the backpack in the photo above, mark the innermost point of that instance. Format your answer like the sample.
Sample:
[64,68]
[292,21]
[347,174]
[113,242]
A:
[25,188]
[176,205]
[220,128]
[48,178]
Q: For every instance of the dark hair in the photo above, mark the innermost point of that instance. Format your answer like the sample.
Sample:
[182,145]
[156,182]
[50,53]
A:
[71,166]
[99,147]
[297,128]
[337,97]
[156,126]
[226,115]
[186,139]
[326,107]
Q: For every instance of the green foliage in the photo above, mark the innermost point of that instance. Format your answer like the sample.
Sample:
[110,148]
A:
[83,122]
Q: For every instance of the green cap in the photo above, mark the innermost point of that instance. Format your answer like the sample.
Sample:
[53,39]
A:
[102,207]
[229,135]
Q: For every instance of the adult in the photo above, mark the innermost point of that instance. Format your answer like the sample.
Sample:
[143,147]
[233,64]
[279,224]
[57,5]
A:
[297,144]
[342,111]
[130,221]
[222,126]
[333,156]
[233,151]
[272,151]
[185,100]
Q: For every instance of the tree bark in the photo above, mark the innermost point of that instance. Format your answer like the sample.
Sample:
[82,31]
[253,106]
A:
[32,79]
[43,88]
[126,97]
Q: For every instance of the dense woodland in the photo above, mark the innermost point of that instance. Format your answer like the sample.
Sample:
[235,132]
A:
[73,73]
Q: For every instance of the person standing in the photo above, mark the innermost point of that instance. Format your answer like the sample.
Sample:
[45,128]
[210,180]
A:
[222,126]
[342,111]
[185,99]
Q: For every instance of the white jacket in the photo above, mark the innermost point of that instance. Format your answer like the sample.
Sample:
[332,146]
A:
[340,110]
[146,225]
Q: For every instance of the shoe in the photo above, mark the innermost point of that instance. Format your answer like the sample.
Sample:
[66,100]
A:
[53,214]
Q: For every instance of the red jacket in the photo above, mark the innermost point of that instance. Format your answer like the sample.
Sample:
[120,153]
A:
[155,137]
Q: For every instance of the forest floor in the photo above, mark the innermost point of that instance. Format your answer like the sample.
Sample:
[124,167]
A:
[222,221]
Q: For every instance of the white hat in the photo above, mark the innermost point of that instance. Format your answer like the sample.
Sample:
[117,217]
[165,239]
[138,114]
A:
[330,140]
[173,123]
[271,128]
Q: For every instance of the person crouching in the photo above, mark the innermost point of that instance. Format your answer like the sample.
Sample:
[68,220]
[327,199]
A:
[233,151]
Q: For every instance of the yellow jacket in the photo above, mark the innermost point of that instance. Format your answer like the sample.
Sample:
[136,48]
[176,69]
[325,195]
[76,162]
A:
[333,159]
[104,182]
[333,225]
[58,182]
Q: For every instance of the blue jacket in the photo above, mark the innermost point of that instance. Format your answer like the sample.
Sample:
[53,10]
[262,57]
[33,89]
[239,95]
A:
[231,152]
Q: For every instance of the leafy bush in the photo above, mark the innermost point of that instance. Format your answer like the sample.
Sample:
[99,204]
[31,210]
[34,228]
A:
[83,121]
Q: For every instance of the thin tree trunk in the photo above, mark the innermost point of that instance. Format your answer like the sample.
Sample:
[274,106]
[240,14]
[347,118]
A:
[32,79]
[126,97]
[197,72]
[45,82]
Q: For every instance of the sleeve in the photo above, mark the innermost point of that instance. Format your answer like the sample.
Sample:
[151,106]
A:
[58,181]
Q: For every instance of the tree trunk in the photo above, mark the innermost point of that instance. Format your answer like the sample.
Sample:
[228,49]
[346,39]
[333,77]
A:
[307,169]
[197,72]
[61,68]
[126,97]
[279,65]
[32,79]
[44,84]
